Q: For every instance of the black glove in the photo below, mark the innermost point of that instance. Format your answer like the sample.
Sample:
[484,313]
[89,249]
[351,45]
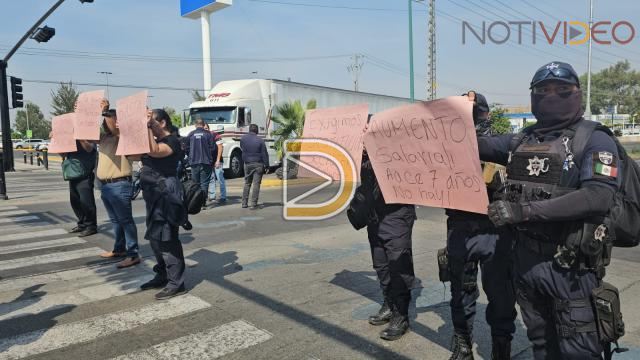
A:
[503,212]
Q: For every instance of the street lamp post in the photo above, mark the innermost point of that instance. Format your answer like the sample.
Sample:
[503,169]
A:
[106,74]
[411,85]
[587,112]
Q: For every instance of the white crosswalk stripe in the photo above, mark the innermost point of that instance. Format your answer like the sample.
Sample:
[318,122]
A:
[211,344]
[40,245]
[28,298]
[65,335]
[49,258]
[32,235]
[14,212]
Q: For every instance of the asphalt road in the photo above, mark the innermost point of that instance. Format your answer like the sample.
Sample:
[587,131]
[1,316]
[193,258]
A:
[259,287]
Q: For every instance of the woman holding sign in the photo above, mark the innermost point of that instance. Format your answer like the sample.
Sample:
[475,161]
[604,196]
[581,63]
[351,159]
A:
[162,193]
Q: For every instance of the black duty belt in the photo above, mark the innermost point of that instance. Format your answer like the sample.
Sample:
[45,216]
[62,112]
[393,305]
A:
[115,180]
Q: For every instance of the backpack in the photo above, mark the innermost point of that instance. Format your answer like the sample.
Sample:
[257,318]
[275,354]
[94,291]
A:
[625,212]
[194,197]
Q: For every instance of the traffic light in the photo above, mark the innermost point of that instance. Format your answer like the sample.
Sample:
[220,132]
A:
[43,34]
[16,92]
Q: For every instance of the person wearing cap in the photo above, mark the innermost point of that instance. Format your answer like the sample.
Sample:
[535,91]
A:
[473,240]
[115,175]
[554,200]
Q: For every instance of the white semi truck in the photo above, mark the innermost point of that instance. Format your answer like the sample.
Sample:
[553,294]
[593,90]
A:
[231,106]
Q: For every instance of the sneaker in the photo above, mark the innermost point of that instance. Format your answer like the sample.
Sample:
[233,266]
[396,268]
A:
[76,229]
[167,293]
[255,207]
[113,254]
[130,261]
[244,206]
[156,283]
[87,232]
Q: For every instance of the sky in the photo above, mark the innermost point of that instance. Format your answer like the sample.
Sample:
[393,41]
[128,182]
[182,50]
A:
[145,43]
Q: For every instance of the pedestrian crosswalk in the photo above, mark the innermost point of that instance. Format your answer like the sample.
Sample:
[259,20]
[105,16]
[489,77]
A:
[52,282]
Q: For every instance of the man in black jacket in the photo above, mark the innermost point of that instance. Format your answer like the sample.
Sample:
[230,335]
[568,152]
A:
[473,240]
[256,163]
[389,230]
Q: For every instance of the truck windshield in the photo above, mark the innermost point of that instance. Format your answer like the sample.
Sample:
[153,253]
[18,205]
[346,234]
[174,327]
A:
[215,115]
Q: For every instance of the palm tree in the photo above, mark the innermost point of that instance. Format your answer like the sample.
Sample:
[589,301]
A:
[289,118]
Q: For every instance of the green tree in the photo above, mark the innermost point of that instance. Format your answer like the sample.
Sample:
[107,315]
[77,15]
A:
[63,99]
[37,123]
[617,85]
[500,123]
[195,94]
[289,118]
[176,119]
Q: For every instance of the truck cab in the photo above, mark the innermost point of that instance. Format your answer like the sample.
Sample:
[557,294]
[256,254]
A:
[229,108]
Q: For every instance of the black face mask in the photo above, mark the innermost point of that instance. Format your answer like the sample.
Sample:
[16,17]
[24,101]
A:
[555,112]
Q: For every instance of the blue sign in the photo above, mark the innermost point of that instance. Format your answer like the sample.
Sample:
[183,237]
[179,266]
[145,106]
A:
[189,6]
[192,8]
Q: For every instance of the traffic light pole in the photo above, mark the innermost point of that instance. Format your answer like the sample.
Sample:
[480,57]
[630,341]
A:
[7,147]
[7,156]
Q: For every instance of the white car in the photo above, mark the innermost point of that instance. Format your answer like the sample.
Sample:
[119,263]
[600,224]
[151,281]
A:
[27,143]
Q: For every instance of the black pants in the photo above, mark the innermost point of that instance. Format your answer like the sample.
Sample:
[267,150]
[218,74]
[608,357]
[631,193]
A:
[390,242]
[170,260]
[540,285]
[83,202]
[252,178]
[470,243]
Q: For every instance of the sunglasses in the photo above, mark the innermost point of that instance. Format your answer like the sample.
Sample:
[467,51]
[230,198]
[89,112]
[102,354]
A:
[557,73]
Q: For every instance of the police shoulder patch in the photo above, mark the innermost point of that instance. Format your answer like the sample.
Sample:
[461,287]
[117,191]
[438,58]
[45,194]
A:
[605,157]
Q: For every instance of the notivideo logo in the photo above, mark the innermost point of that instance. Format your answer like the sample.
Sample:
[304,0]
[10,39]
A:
[563,32]
[297,149]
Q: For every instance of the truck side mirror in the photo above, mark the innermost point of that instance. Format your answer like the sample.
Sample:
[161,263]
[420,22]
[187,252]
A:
[241,122]
[247,116]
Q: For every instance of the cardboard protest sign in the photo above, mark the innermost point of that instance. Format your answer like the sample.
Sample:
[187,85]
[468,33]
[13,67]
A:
[62,140]
[427,154]
[88,115]
[132,123]
[341,125]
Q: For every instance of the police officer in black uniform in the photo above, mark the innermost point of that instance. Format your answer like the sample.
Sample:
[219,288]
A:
[555,200]
[389,230]
[471,240]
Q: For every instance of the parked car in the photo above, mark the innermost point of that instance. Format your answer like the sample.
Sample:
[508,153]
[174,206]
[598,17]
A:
[44,145]
[28,143]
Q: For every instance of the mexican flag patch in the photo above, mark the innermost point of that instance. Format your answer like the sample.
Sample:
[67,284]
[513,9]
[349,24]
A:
[605,164]
[606,170]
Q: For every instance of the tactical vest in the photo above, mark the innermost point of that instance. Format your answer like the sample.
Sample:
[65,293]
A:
[539,171]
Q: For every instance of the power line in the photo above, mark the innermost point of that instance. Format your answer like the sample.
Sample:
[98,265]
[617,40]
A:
[147,58]
[111,85]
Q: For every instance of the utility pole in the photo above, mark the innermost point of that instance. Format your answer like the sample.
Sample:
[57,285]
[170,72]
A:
[587,112]
[355,69]
[431,59]
[106,74]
